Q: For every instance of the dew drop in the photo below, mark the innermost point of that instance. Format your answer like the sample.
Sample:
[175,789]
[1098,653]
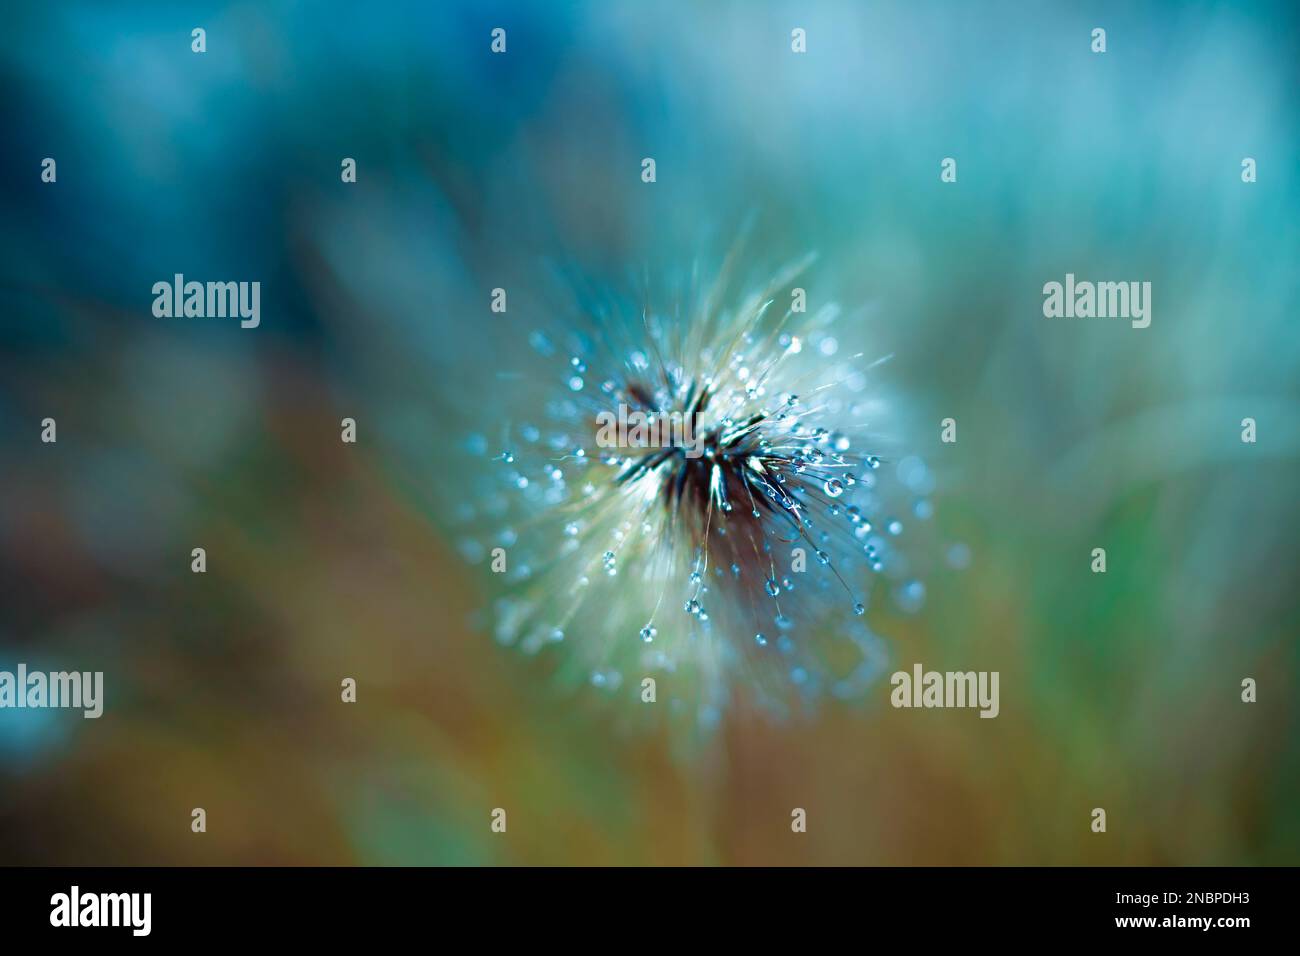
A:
[958,556]
[910,596]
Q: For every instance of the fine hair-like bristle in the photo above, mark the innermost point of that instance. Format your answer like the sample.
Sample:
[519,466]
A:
[735,550]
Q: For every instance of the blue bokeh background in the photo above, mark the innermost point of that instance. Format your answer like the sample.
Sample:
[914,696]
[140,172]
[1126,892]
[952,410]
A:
[478,171]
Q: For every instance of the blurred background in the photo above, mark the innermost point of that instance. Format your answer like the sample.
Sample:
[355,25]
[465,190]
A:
[475,171]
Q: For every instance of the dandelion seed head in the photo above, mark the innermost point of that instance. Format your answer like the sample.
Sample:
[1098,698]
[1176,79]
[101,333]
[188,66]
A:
[678,556]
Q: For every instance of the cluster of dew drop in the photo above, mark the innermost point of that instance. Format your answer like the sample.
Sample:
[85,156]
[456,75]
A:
[807,475]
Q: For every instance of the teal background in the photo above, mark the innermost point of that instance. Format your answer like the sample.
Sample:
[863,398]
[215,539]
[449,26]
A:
[1119,691]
